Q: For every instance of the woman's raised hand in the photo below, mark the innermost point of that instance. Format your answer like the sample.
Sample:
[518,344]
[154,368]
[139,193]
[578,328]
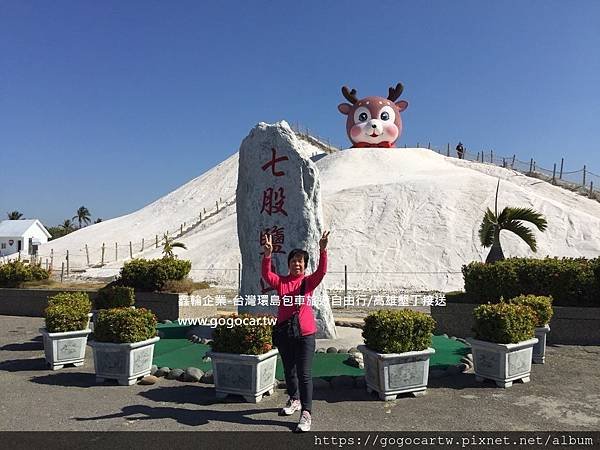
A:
[324,240]
[268,247]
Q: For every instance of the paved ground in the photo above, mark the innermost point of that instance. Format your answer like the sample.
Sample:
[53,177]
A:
[564,394]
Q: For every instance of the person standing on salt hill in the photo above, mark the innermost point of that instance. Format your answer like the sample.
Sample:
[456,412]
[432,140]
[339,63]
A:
[296,352]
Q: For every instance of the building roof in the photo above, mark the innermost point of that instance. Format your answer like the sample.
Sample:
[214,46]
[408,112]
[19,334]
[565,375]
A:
[11,228]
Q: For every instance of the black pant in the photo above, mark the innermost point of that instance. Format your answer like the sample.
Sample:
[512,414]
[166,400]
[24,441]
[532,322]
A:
[297,356]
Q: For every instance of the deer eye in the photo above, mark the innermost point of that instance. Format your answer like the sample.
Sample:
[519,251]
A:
[362,114]
[385,115]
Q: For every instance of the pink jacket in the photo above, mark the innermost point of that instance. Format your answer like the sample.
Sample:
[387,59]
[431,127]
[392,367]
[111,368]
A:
[289,285]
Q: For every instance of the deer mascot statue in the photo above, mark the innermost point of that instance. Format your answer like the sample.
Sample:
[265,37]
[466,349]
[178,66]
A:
[373,121]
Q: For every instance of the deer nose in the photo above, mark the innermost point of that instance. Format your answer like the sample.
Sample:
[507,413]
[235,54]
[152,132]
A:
[373,126]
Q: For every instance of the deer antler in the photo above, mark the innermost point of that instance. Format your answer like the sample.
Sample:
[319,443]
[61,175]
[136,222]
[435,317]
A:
[349,95]
[394,93]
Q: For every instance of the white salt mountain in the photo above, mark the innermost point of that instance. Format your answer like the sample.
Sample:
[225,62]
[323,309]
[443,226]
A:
[401,218]
[278,193]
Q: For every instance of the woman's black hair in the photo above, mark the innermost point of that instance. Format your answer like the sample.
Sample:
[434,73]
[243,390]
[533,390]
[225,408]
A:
[298,251]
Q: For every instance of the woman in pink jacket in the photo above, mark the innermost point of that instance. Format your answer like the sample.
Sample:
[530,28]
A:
[297,353]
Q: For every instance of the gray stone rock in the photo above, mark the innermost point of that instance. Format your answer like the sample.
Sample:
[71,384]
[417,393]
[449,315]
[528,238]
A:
[459,368]
[153,369]
[352,361]
[174,374]
[320,384]
[278,191]
[207,377]
[343,350]
[192,374]
[342,382]
[320,350]
[148,379]
[332,350]
[162,372]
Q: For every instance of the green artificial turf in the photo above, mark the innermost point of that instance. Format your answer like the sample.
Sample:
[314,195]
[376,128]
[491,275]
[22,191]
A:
[178,352]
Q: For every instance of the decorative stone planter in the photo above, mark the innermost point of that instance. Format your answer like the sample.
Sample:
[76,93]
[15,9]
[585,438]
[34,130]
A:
[250,376]
[123,362]
[390,374]
[539,349]
[65,348]
[503,363]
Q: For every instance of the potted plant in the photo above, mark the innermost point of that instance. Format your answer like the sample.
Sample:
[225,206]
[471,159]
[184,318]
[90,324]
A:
[113,296]
[243,357]
[503,343]
[397,351]
[542,307]
[67,329]
[123,344]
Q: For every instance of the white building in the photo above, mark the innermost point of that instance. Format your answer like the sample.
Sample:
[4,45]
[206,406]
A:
[23,236]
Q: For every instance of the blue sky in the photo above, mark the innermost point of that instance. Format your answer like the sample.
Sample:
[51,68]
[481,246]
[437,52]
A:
[113,104]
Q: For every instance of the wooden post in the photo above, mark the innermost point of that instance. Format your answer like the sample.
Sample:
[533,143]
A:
[591,189]
[534,166]
[62,271]
[157,241]
[68,263]
[492,156]
[429,145]
[181,230]
[200,218]
[512,164]
[204,210]
[87,254]
[554,174]
[142,245]
[584,170]
[531,165]
[477,156]
[116,251]
[562,162]
[504,162]
[103,248]
[130,250]
[448,149]
[217,203]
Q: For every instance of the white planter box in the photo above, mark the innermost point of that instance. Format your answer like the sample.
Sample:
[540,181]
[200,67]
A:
[539,349]
[123,362]
[250,376]
[390,374]
[65,348]
[503,363]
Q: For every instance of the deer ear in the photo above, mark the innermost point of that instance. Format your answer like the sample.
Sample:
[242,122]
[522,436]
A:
[344,108]
[402,105]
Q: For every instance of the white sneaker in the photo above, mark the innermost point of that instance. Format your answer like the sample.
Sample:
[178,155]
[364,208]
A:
[290,407]
[305,421]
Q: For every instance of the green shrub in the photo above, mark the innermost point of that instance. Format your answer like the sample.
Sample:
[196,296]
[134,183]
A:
[569,281]
[151,275]
[541,306]
[124,325]
[398,331]
[14,273]
[187,285]
[115,297]
[253,338]
[67,311]
[504,323]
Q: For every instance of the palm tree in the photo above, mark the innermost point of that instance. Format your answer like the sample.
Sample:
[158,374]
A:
[510,219]
[14,215]
[169,245]
[83,215]
[67,225]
